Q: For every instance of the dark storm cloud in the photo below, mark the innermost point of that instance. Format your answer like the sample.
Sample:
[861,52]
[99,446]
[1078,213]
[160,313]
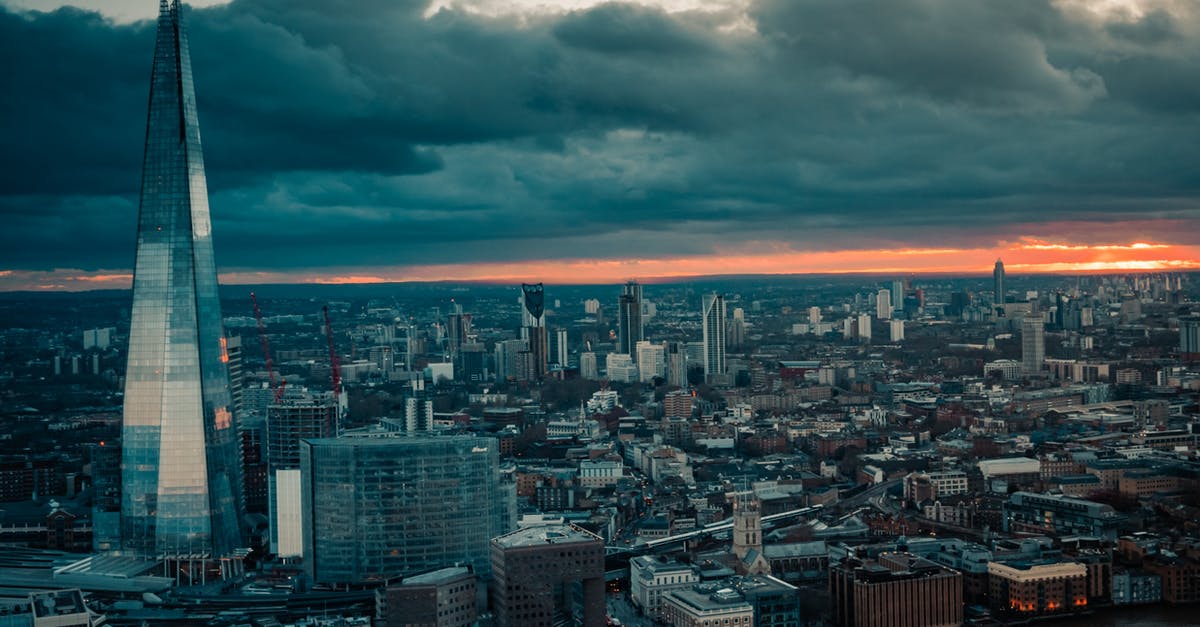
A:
[367,133]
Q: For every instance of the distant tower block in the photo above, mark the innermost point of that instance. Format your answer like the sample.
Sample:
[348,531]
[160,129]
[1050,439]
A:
[998,283]
[630,327]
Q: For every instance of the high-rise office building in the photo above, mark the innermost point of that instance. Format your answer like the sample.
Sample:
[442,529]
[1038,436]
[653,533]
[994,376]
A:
[883,304]
[508,356]
[378,508]
[298,416]
[864,327]
[252,438]
[588,368]
[458,329]
[651,361]
[1189,338]
[897,330]
[418,407]
[181,484]
[897,293]
[998,283]
[676,364]
[105,459]
[534,363]
[1033,343]
[630,330]
[713,320]
[561,352]
[735,332]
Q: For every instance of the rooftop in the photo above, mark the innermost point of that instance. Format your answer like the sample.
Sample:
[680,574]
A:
[438,576]
[548,534]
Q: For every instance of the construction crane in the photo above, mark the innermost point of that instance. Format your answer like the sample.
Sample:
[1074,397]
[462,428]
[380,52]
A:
[334,367]
[266,349]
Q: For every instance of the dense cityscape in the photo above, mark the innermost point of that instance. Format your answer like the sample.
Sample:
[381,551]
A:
[776,451]
[900,449]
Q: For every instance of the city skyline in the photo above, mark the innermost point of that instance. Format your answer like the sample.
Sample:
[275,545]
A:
[600,142]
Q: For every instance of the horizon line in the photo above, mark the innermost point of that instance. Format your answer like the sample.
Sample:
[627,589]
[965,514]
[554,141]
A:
[651,280]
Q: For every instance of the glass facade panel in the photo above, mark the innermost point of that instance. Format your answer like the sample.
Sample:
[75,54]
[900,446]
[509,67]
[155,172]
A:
[180,472]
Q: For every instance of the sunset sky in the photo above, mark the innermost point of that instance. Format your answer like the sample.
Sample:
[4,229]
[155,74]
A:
[583,141]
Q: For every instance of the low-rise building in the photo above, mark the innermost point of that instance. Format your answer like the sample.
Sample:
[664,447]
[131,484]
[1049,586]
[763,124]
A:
[442,598]
[1136,587]
[705,605]
[651,578]
[1060,515]
[1033,588]
[1180,578]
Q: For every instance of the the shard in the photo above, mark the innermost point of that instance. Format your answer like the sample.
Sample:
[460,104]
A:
[180,479]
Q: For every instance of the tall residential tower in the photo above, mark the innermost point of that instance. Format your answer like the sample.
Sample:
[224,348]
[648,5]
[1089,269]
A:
[630,329]
[181,487]
[998,283]
[713,320]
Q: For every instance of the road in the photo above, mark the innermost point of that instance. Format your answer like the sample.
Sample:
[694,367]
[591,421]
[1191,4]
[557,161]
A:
[858,500]
[621,608]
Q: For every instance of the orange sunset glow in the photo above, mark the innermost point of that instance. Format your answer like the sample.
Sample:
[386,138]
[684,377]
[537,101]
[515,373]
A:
[1027,255]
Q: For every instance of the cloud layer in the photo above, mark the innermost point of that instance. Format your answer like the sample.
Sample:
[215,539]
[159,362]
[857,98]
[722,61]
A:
[379,133]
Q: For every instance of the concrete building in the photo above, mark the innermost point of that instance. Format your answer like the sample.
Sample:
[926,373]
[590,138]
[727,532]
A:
[297,416]
[1033,344]
[1189,338]
[651,361]
[895,590]
[620,367]
[930,486]
[883,304]
[442,598]
[546,574]
[588,368]
[600,473]
[651,578]
[676,364]
[1009,369]
[1053,514]
[704,605]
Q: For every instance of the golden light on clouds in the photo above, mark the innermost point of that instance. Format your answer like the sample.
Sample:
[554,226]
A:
[1026,255]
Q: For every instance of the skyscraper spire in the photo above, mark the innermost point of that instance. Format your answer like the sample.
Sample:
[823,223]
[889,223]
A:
[181,488]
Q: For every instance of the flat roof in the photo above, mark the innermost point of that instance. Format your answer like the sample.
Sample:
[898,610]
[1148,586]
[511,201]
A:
[546,534]
[438,576]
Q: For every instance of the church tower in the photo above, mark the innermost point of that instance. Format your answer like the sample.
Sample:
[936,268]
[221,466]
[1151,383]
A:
[747,535]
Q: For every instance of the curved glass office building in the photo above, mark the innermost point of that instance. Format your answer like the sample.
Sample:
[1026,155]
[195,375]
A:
[378,508]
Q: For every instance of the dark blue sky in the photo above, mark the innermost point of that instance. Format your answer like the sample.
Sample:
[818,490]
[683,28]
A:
[349,137]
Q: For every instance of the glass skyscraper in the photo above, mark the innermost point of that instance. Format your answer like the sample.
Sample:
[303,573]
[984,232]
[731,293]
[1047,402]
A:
[180,478]
[713,312]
